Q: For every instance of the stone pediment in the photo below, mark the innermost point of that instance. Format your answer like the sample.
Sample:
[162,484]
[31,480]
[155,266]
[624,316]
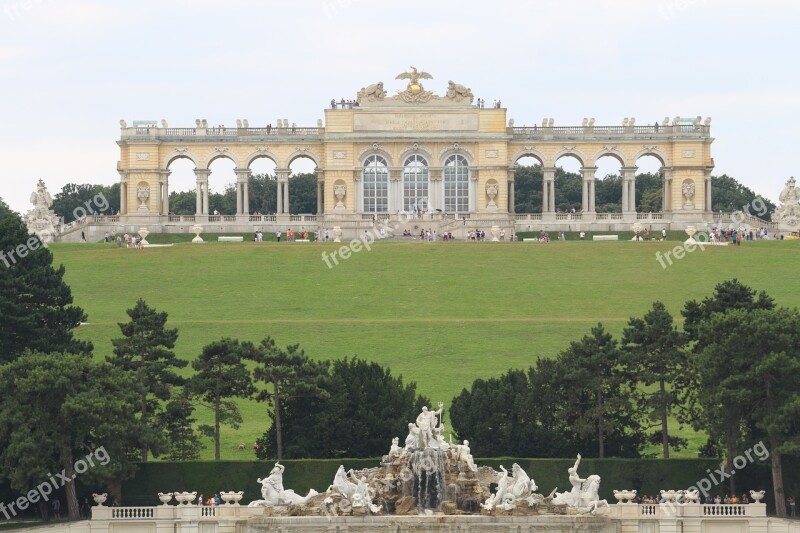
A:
[415,94]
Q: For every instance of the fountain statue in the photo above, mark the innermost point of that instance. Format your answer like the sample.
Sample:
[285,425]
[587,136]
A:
[274,494]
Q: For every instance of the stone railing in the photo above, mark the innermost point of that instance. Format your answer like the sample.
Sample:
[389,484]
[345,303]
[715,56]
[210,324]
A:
[132,513]
[176,512]
[576,132]
[202,134]
[737,218]
[675,510]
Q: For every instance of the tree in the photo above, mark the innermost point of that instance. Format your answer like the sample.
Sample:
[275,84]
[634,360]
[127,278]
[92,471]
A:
[183,203]
[263,193]
[4,209]
[528,189]
[599,392]
[145,352]
[287,373]
[727,194]
[569,190]
[756,367]
[303,194]
[58,413]
[76,201]
[177,421]
[221,375]
[37,304]
[656,354]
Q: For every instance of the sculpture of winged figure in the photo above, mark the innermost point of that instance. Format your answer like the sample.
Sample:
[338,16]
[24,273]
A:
[414,76]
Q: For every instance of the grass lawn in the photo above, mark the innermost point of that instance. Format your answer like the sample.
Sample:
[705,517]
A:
[440,314]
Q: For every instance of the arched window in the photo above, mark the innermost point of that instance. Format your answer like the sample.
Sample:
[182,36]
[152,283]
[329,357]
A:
[415,184]
[375,180]
[456,184]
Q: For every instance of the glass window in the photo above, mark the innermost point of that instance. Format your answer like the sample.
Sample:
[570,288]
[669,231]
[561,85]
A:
[375,182]
[456,184]
[415,184]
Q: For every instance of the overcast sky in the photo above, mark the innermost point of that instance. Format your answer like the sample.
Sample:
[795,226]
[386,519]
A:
[71,69]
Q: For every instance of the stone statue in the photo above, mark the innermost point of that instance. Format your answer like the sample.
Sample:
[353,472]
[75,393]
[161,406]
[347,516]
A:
[413,77]
[415,93]
[463,456]
[41,219]
[523,485]
[341,485]
[412,440]
[456,90]
[789,211]
[274,494]
[584,494]
[372,92]
[688,193]
[426,422]
[500,497]
[395,451]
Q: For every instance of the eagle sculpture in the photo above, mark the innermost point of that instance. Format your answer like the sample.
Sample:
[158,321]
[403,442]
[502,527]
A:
[414,76]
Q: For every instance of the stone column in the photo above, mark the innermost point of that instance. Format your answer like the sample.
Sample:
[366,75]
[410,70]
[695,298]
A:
[548,189]
[474,193]
[395,190]
[201,202]
[247,198]
[666,204]
[320,190]
[242,181]
[511,207]
[283,190]
[165,194]
[628,189]
[435,193]
[587,201]
[123,193]
[708,191]
[357,204]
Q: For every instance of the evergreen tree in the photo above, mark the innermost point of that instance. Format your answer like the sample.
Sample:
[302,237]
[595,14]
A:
[145,353]
[656,354]
[599,392]
[303,194]
[4,209]
[59,411]
[748,375]
[286,373]
[37,304]
[221,375]
[177,421]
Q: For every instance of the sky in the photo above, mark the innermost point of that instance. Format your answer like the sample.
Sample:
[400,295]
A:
[71,69]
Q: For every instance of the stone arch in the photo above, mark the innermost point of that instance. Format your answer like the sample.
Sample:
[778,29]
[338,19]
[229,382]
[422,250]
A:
[610,151]
[453,149]
[654,151]
[261,153]
[374,149]
[570,151]
[416,148]
[181,153]
[221,152]
[528,152]
[302,152]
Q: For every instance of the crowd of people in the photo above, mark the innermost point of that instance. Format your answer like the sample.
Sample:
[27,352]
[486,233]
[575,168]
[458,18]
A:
[737,235]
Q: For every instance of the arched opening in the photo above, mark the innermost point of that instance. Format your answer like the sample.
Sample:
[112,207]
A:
[528,184]
[568,184]
[263,188]
[609,195]
[182,184]
[222,186]
[455,178]
[302,186]
[650,186]
[375,185]
[416,179]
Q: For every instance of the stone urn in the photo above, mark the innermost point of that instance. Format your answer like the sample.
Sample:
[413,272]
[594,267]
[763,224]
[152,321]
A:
[627,495]
[197,229]
[637,229]
[495,231]
[237,497]
[692,496]
[337,234]
[690,231]
[100,499]
[227,497]
[671,495]
[185,498]
[757,495]
[339,191]
[165,497]
[143,233]
[491,191]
